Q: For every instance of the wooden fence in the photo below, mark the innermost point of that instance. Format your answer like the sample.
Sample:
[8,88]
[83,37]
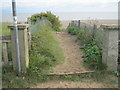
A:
[9,47]
[5,40]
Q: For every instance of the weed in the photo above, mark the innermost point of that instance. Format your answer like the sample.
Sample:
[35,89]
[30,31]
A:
[93,56]
[72,30]
[84,35]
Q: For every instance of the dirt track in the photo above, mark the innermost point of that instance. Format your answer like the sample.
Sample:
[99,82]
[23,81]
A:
[69,84]
[73,61]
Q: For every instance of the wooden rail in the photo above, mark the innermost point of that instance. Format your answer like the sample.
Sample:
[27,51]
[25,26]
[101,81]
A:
[71,73]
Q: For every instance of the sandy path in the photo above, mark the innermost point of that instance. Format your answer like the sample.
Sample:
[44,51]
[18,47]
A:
[69,84]
[73,61]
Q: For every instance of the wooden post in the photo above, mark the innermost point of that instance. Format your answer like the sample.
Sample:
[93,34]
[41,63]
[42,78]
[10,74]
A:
[5,53]
[78,24]
[23,46]
[29,33]
[94,30]
[29,37]
[110,47]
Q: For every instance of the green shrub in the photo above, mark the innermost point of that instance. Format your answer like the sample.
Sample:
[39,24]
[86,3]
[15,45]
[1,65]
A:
[72,30]
[54,20]
[85,35]
[93,56]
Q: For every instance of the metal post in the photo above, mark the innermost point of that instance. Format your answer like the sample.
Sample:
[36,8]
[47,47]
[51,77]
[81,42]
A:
[119,44]
[16,37]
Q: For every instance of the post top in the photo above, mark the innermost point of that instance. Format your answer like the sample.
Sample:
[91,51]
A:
[20,26]
[110,26]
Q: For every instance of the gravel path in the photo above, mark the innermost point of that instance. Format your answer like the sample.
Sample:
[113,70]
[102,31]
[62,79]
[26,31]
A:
[73,61]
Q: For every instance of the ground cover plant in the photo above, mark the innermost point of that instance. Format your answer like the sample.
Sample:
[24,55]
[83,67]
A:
[93,56]
[72,30]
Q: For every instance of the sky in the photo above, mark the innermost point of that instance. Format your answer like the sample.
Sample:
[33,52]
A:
[36,6]
[64,9]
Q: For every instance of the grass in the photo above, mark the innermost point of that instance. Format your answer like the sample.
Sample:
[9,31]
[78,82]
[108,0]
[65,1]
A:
[5,30]
[44,54]
[105,78]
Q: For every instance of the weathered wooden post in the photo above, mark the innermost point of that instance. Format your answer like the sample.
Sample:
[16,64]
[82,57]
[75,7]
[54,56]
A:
[94,30]
[5,53]
[78,24]
[23,46]
[29,33]
[110,47]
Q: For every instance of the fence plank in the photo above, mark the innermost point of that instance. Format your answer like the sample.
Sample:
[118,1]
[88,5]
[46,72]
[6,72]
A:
[5,37]
[5,53]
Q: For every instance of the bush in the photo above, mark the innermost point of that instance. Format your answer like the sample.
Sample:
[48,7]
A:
[84,35]
[72,30]
[93,56]
[54,20]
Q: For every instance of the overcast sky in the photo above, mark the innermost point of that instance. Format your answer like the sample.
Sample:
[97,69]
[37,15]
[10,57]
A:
[36,6]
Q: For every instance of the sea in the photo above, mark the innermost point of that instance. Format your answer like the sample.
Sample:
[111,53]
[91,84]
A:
[7,17]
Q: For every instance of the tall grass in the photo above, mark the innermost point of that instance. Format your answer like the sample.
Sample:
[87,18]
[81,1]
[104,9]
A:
[84,35]
[5,30]
[45,51]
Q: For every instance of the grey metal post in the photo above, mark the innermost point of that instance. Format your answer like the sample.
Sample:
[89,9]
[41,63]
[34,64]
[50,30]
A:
[16,36]
[119,44]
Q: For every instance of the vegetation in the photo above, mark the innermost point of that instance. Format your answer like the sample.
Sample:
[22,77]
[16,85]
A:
[45,50]
[85,35]
[92,51]
[101,76]
[44,54]
[5,30]
[93,56]
[72,30]
[54,20]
